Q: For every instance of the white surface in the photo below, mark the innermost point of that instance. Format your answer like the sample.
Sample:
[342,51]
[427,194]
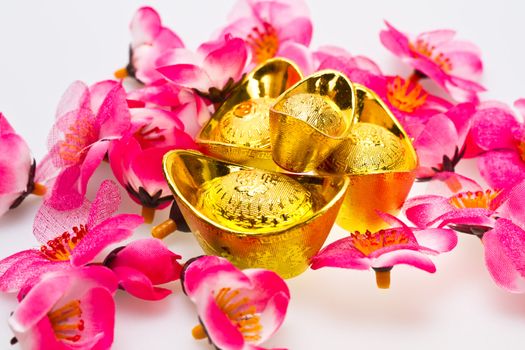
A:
[48,44]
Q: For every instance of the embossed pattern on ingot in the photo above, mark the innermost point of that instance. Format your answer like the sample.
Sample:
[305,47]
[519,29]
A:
[370,148]
[316,110]
[246,124]
[255,201]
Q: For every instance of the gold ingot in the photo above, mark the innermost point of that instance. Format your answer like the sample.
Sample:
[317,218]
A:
[380,160]
[239,130]
[310,120]
[254,217]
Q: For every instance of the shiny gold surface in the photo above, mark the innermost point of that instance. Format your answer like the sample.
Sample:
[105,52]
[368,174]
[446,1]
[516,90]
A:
[255,218]
[310,120]
[380,160]
[239,130]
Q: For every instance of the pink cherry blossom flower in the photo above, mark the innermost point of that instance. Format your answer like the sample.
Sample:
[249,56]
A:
[139,171]
[237,309]
[500,138]
[213,71]
[17,169]
[67,310]
[407,99]
[505,255]
[273,28]
[88,119]
[143,264]
[384,249]
[186,105]
[452,64]
[70,238]
[149,41]
[440,141]
[471,210]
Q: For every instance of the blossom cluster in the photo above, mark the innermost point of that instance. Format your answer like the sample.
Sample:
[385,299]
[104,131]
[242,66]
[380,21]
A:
[160,100]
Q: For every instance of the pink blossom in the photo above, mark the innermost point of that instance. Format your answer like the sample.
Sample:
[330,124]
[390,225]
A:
[187,109]
[273,28]
[213,71]
[384,249]
[139,171]
[143,264]
[149,41]
[237,309]
[17,168]
[472,209]
[88,119]
[70,238]
[505,255]
[67,310]
[440,141]
[452,64]
[500,138]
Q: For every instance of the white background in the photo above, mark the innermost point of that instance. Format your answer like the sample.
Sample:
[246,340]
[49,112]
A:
[45,45]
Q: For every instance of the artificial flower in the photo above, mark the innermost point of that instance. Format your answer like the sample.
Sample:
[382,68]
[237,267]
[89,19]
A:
[384,249]
[69,238]
[500,138]
[67,310]
[471,209]
[143,264]
[186,105]
[504,247]
[452,64]
[440,141]
[273,28]
[149,41]
[17,169]
[139,171]
[88,119]
[237,309]
[213,71]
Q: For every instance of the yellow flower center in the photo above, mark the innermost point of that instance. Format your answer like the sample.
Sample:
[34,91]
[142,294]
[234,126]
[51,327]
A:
[423,48]
[264,43]
[404,95]
[60,248]
[368,242]
[478,199]
[243,315]
[66,321]
[78,136]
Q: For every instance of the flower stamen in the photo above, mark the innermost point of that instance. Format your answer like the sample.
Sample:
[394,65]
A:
[368,242]
[242,315]
[405,95]
[60,248]
[421,47]
[78,137]
[66,321]
[478,199]
[264,43]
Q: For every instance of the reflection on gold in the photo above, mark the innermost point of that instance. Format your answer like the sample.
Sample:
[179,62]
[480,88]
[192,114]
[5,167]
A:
[253,217]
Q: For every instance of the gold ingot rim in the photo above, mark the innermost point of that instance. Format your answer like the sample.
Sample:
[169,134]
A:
[318,74]
[262,153]
[167,163]
[411,158]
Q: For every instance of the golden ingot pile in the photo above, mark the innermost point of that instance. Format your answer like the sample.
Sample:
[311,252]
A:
[355,157]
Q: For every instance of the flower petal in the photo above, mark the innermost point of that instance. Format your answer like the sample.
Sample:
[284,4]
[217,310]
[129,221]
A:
[505,255]
[187,75]
[501,169]
[110,231]
[106,203]
[341,253]
[226,62]
[136,283]
[405,257]
[437,239]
